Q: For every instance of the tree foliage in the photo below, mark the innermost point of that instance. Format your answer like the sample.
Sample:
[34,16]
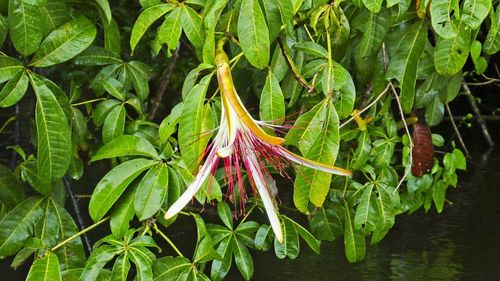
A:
[346,77]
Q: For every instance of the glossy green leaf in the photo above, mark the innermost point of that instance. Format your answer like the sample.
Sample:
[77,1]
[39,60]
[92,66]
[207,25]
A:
[97,260]
[151,192]
[65,42]
[170,31]
[442,15]
[373,5]
[102,110]
[434,112]
[121,268]
[53,134]
[123,213]
[55,13]
[403,65]
[17,225]
[290,247]
[125,145]
[313,185]
[374,27]
[366,214]
[112,37]
[273,17]
[4,29]
[25,26]
[142,265]
[306,235]
[354,239]
[220,268]
[105,8]
[344,91]
[311,48]
[385,215]
[225,214]
[9,67]
[474,12]
[272,102]
[45,269]
[362,152]
[243,260]
[140,74]
[451,54]
[254,34]
[145,20]
[327,224]
[193,134]
[193,26]
[96,56]
[14,90]
[170,268]
[114,124]
[113,184]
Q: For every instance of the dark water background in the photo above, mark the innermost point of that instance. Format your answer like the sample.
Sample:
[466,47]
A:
[462,243]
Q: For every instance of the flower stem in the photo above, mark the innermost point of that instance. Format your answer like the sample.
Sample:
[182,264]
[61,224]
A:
[164,236]
[79,233]
[88,101]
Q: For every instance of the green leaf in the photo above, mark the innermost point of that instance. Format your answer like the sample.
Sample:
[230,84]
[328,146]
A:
[11,191]
[306,235]
[53,134]
[97,260]
[169,124]
[151,192]
[170,268]
[54,13]
[96,56]
[4,29]
[403,65]
[25,26]
[113,184]
[272,102]
[140,74]
[45,269]
[262,236]
[142,265]
[354,239]
[104,6]
[373,5]
[193,134]
[310,184]
[220,268]
[451,54]
[123,213]
[193,27]
[492,43]
[121,268]
[374,27]
[65,42]
[253,34]
[273,18]
[442,15]
[225,214]
[9,67]
[125,145]
[344,90]
[112,38]
[243,260]
[145,20]
[114,124]
[14,90]
[170,31]
[366,215]
[327,224]
[311,48]
[290,246]
[434,112]
[362,152]
[17,225]
[102,110]
[386,215]
[474,12]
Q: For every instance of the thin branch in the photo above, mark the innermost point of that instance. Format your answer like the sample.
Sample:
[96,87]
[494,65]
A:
[460,140]
[165,237]
[78,215]
[155,105]
[477,112]
[79,233]
[291,65]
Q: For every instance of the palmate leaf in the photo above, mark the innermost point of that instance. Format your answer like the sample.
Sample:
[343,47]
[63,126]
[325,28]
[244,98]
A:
[25,26]
[9,67]
[451,54]
[306,235]
[253,34]
[193,134]
[272,102]
[95,55]
[354,239]
[142,263]
[53,134]
[54,13]
[374,27]
[366,215]
[474,12]
[65,42]
[145,20]
[151,192]
[220,268]
[243,259]
[170,268]
[17,225]
[45,269]
[442,15]
[404,63]
[114,124]
[312,185]
[121,268]
[126,145]
[97,260]
[114,183]
[123,213]
[140,74]
[14,90]
[291,245]
[170,31]
[193,27]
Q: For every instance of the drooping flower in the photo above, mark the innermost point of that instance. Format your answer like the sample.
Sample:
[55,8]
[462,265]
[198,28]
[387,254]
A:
[241,142]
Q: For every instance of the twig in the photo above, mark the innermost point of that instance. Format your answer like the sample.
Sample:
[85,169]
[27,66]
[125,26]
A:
[460,140]
[164,236]
[291,65]
[79,233]
[155,105]
[485,117]
[480,119]
[78,215]
[367,107]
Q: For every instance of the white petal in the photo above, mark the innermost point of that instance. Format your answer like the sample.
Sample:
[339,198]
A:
[313,164]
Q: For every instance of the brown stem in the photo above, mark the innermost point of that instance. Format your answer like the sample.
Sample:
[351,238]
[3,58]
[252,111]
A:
[155,105]
[455,128]
[477,112]
[291,65]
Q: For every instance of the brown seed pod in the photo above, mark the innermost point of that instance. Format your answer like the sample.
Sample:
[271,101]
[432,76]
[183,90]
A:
[423,150]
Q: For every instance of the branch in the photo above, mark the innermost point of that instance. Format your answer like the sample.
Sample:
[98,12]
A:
[460,140]
[79,233]
[291,65]
[155,105]
[480,119]
[78,215]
